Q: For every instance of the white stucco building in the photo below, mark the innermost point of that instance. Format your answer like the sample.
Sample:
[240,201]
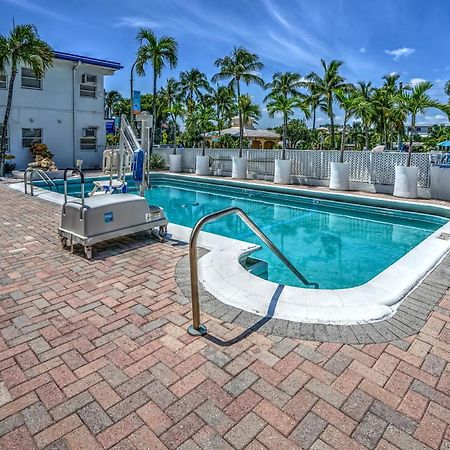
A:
[64,110]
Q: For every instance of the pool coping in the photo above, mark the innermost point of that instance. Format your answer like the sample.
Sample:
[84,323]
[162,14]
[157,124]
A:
[225,278]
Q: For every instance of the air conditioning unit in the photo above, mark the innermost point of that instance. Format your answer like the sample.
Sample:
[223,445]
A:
[88,79]
[89,132]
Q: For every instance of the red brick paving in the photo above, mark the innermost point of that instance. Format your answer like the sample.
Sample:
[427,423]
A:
[96,355]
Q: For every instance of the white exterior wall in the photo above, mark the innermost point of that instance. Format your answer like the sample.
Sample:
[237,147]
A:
[60,112]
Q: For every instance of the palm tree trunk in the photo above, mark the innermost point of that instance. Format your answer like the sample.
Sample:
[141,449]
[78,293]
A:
[203,144]
[341,155]
[410,149]
[152,133]
[241,125]
[314,118]
[6,121]
[366,132]
[331,115]
[283,153]
[174,135]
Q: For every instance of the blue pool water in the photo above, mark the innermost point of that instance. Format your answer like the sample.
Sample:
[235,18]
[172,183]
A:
[335,244]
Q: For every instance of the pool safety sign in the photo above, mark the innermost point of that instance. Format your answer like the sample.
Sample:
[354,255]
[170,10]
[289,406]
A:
[108,217]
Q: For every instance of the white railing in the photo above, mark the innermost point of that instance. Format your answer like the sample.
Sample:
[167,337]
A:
[365,166]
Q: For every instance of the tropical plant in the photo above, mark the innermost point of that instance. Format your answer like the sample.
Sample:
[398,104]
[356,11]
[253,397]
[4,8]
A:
[348,101]
[157,162]
[447,90]
[223,101]
[202,120]
[364,108]
[111,99]
[315,101]
[157,52]
[239,66]
[22,46]
[193,85]
[9,167]
[280,103]
[176,111]
[249,110]
[326,86]
[285,83]
[415,102]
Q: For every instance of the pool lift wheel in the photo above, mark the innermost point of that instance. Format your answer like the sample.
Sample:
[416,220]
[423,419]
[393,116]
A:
[91,220]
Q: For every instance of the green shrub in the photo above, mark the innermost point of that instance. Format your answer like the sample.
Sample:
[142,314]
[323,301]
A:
[41,150]
[157,162]
[112,140]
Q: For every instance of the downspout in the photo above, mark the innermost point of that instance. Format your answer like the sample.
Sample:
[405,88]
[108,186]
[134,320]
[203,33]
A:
[74,153]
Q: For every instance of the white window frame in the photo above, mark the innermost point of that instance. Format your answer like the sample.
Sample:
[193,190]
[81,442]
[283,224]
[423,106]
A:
[3,80]
[30,77]
[32,139]
[88,88]
[89,142]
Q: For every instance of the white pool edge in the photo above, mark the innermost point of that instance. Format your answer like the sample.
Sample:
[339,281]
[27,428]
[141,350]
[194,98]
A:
[224,277]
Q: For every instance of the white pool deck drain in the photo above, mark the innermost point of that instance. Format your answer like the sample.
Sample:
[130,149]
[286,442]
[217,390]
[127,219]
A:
[224,277]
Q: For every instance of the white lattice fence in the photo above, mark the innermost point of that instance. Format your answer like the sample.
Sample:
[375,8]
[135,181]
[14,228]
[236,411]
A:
[365,166]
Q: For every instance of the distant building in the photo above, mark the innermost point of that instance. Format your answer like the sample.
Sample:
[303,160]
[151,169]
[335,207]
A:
[258,138]
[421,129]
[64,110]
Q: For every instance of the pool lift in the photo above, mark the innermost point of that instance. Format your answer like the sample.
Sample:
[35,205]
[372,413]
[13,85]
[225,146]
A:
[98,218]
[117,162]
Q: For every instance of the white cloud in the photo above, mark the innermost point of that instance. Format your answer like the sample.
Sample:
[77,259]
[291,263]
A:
[362,50]
[399,52]
[137,22]
[415,81]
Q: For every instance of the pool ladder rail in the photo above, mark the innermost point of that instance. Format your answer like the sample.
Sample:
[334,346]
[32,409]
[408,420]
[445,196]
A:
[42,175]
[198,329]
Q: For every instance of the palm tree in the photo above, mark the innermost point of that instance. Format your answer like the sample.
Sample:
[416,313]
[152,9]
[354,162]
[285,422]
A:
[111,99]
[176,111]
[240,65]
[287,84]
[364,109]
[193,85]
[415,102]
[203,119]
[158,52]
[315,100]
[249,109]
[447,90]
[348,101]
[22,46]
[222,99]
[279,103]
[327,86]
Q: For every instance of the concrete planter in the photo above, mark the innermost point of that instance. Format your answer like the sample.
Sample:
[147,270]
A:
[202,165]
[239,169]
[406,181]
[175,163]
[282,171]
[440,183]
[339,178]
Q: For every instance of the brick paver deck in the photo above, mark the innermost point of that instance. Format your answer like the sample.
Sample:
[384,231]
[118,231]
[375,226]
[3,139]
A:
[95,354]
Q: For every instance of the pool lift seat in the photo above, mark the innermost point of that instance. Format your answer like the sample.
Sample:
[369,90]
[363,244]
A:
[103,217]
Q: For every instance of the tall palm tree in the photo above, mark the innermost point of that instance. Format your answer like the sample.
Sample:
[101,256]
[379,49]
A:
[111,99]
[158,52]
[415,102]
[286,105]
[327,86]
[240,65]
[348,101]
[364,109]
[249,109]
[222,99]
[315,100]
[22,46]
[284,83]
[193,85]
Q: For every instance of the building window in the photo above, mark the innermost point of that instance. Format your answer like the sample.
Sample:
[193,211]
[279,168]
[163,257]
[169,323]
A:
[88,86]
[29,79]
[1,131]
[88,139]
[31,136]
[3,81]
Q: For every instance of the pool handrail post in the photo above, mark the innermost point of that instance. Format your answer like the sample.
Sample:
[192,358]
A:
[198,329]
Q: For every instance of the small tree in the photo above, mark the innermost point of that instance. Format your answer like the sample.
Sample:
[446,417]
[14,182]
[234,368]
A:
[22,47]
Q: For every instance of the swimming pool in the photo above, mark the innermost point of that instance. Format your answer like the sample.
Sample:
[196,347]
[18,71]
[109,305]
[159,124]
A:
[336,244]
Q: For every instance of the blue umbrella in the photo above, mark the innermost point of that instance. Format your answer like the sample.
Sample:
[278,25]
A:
[444,144]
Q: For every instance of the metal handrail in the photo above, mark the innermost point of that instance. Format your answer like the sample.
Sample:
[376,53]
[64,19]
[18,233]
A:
[74,169]
[198,329]
[44,177]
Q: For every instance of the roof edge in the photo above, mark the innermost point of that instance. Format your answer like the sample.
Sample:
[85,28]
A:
[88,60]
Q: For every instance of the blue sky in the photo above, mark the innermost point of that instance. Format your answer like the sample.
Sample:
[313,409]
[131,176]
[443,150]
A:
[373,37]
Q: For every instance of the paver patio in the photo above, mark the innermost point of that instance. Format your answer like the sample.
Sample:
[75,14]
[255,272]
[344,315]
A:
[95,354]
